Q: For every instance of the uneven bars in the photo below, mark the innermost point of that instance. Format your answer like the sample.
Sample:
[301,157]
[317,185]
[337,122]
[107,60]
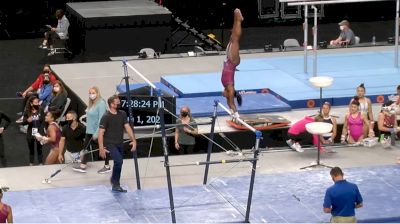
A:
[222,161]
[141,75]
[344,1]
[237,118]
[285,1]
[297,3]
[169,125]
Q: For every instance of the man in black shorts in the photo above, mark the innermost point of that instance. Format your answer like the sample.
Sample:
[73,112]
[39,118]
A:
[111,138]
[72,139]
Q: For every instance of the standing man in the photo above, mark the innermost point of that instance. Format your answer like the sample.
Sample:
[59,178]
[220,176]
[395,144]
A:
[342,198]
[72,139]
[346,36]
[232,60]
[111,137]
[2,128]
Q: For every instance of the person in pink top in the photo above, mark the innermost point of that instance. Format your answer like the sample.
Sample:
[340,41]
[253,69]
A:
[297,133]
[232,60]
[5,211]
[354,124]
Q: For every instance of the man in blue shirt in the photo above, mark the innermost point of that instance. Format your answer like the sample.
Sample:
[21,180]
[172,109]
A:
[342,198]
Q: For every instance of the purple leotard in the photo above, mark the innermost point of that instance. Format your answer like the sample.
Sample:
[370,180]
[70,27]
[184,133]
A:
[228,73]
[4,213]
[355,126]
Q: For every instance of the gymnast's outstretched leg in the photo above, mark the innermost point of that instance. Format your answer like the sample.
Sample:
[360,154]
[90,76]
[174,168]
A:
[232,60]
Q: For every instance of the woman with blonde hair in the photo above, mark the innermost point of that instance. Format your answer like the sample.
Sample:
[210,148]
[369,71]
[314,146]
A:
[97,106]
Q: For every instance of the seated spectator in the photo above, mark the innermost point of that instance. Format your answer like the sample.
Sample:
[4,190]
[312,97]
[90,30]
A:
[6,215]
[35,87]
[45,91]
[297,133]
[59,32]
[58,99]
[346,36]
[396,100]
[365,108]
[327,118]
[354,123]
[184,134]
[387,123]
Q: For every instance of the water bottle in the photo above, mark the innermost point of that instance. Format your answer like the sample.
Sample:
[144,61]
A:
[373,40]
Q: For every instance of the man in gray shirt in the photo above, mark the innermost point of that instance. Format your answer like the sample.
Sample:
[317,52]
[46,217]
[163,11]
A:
[346,36]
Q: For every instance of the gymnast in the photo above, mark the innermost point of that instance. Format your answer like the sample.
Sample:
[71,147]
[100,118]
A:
[354,124]
[232,60]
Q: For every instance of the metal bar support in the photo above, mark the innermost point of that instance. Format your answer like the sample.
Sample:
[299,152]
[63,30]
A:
[210,142]
[130,115]
[253,175]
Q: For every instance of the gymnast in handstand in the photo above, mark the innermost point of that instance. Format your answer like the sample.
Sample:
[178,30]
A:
[232,60]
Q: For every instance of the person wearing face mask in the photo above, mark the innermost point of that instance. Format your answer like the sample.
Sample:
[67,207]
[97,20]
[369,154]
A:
[346,36]
[34,118]
[45,91]
[72,138]
[111,139]
[58,98]
[36,86]
[185,132]
[96,108]
[39,81]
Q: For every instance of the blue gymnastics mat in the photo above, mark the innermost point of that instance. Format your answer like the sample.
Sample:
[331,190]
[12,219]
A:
[284,77]
[298,197]
[252,103]
[203,106]
[285,197]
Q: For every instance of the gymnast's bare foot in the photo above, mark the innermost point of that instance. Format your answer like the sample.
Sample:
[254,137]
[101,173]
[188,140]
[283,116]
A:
[238,14]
